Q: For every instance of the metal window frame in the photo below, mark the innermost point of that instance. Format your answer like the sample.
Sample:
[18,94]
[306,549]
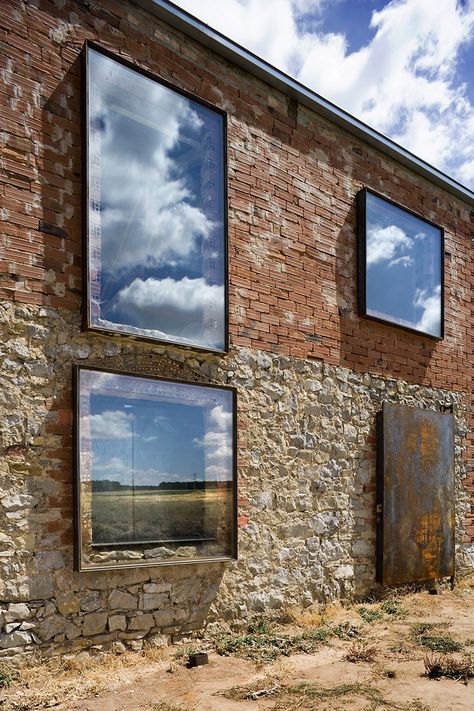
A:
[86,305]
[361,228]
[77,369]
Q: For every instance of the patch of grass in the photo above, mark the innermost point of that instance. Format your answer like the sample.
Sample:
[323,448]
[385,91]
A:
[438,665]
[184,651]
[265,643]
[390,673]
[440,643]
[361,652]
[266,687]
[369,614]
[393,607]
[421,633]
[346,631]
[8,675]
[260,625]
[262,647]
[419,628]
[312,697]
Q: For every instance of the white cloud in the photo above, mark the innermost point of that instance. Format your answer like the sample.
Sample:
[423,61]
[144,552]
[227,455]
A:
[404,81]
[216,444]
[403,261]
[179,307]
[220,418]
[111,424]
[384,242]
[146,213]
[429,301]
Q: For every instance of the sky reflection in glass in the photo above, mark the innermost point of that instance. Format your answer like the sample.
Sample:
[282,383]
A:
[156,462]
[403,267]
[156,209]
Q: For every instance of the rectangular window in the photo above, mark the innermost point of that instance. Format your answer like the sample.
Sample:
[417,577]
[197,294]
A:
[155,474]
[400,266]
[156,209]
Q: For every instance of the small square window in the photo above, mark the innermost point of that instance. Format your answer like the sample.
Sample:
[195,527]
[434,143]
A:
[155,471]
[156,195]
[400,260]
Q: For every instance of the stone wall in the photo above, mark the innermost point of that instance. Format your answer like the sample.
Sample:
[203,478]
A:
[306,481]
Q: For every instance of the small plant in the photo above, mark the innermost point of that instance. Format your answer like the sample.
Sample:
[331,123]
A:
[435,642]
[346,631]
[361,652]
[390,673]
[440,643]
[7,675]
[393,607]
[185,651]
[259,626]
[369,614]
[438,665]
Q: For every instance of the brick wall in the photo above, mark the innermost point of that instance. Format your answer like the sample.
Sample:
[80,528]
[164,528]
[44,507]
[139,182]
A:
[292,182]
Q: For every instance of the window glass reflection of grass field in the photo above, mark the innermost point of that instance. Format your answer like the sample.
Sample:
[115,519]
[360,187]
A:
[151,515]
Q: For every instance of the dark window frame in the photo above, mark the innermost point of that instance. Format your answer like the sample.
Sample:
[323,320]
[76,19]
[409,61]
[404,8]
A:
[361,234]
[148,562]
[87,324]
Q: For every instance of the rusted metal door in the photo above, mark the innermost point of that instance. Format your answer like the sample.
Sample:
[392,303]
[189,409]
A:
[415,495]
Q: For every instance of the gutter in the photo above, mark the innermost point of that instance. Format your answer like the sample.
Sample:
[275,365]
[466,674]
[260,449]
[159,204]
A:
[251,63]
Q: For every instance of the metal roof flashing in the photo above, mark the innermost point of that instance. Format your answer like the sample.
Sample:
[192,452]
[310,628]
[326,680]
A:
[243,58]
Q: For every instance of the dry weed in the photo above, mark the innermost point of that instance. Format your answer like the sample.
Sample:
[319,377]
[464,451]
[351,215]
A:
[56,680]
[361,652]
[439,665]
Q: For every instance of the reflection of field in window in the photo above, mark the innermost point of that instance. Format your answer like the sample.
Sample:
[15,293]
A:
[160,516]
[156,469]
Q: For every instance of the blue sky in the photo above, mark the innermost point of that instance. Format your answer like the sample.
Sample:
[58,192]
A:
[150,432]
[404,67]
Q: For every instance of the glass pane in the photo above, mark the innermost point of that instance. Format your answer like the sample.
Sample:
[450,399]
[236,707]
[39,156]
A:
[156,209]
[156,470]
[403,267]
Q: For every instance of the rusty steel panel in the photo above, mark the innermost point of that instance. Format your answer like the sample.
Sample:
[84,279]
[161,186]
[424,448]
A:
[415,495]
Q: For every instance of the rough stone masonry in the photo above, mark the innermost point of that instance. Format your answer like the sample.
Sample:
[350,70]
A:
[310,374]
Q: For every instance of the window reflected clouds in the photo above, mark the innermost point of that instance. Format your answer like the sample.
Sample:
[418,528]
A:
[156,470]
[403,269]
[156,209]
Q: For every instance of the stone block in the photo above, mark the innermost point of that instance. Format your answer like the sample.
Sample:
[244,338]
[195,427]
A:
[122,601]
[141,622]
[117,622]
[16,611]
[49,560]
[164,618]
[94,623]
[50,627]
[15,639]
[67,603]
[156,587]
[153,601]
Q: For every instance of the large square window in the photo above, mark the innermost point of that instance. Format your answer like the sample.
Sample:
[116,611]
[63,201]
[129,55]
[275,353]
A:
[400,266]
[156,209]
[155,471]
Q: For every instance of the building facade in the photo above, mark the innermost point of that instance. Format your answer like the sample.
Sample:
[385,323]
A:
[279,325]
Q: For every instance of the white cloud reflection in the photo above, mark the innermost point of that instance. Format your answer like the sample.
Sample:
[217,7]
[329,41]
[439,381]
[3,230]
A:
[429,300]
[383,243]
[217,445]
[111,424]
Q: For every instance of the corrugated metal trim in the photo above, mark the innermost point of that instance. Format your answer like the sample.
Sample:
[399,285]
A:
[221,45]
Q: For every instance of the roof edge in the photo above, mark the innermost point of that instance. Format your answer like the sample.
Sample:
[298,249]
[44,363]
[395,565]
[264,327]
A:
[250,62]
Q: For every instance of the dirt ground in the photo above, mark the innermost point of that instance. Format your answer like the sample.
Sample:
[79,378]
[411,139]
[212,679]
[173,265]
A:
[363,657]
